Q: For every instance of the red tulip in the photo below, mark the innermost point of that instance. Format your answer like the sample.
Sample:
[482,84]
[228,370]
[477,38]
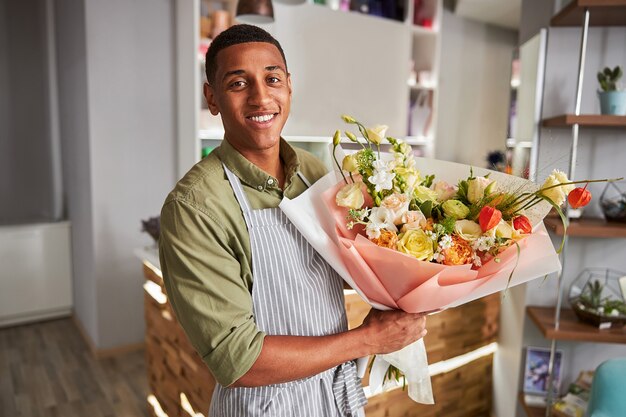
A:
[489,218]
[579,197]
[522,224]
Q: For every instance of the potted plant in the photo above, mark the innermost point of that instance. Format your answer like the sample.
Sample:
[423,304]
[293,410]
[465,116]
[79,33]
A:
[612,97]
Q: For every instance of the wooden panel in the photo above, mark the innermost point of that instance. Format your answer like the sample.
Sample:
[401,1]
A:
[570,328]
[586,120]
[601,13]
[451,332]
[464,392]
[587,228]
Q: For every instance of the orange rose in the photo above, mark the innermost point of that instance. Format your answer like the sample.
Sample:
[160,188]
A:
[387,239]
[460,253]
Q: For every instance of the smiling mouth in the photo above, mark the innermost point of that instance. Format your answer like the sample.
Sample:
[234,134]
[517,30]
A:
[262,119]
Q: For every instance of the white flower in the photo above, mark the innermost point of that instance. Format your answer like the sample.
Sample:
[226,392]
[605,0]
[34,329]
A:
[483,243]
[376,134]
[478,188]
[382,180]
[445,242]
[477,262]
[502,229]
[380,165]
[380,218]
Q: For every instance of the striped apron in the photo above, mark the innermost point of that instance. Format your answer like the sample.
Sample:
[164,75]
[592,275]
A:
[295,292]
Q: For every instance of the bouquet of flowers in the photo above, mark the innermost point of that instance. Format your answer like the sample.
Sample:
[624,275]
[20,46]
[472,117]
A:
[423,235]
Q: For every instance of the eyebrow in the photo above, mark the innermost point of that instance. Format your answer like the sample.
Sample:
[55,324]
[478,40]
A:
[241,72]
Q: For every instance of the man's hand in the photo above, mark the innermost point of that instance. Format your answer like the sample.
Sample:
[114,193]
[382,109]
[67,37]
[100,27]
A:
[286,358]
[389,331]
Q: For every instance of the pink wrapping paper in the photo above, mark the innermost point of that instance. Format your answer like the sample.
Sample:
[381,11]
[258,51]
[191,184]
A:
[398,280]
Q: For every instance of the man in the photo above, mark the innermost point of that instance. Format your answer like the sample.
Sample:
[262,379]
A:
[262,308]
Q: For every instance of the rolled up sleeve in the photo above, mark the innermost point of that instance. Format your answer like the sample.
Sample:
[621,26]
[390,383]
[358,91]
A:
[210,298]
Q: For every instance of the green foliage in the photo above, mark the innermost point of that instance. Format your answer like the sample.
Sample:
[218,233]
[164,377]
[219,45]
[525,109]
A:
[448,225]
[461,193]
[608,78]
[427,208]
[428,181]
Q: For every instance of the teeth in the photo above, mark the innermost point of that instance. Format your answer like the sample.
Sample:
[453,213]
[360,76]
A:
[262,118]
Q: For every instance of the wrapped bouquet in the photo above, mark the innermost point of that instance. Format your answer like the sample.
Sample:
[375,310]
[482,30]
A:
[423,235]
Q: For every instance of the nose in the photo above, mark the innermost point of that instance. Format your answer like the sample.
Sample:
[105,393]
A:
[259,93]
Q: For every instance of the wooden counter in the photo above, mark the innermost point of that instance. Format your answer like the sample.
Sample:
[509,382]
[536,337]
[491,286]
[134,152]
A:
[182,385]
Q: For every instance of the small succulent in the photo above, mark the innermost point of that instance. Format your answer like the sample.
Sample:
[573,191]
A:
[593,297]
[608,78]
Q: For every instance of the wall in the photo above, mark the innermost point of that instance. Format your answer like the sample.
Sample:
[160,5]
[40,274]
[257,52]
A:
[131,83]
[25,149]
[76,155]
[116,84]
[474,85]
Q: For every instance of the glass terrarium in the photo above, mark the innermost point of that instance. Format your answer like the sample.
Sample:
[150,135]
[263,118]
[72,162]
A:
[596,297]
[613,203]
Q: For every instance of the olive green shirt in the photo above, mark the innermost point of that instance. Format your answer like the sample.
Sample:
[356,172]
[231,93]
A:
[205,254]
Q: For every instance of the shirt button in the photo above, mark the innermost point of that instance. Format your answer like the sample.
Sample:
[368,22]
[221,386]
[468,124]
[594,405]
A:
[270,181]
[260,188]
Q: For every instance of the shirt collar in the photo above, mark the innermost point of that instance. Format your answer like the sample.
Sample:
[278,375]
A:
[253,175]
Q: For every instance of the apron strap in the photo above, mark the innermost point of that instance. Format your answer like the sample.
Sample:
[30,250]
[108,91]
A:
[240,195]
[349,395]
[303,179]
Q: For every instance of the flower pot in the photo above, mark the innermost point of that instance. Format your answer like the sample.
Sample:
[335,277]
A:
[612,102]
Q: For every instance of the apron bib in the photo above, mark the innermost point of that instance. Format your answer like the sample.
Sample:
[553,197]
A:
[296,293]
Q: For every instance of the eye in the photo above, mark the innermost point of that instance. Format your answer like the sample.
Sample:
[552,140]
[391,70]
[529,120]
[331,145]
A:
[273,80]
[237,84]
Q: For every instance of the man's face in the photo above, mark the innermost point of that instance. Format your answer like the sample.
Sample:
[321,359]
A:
[252,92]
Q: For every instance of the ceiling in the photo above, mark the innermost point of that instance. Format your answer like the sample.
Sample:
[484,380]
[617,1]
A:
[503,13]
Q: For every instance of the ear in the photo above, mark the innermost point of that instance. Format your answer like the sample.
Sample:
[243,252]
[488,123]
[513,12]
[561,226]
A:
[209,95]
[289,83]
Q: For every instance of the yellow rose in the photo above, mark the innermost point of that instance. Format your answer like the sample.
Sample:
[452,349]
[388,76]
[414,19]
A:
[467,229]
[350,196]
[416,243]
[376,134]
[349,164]
[456,209]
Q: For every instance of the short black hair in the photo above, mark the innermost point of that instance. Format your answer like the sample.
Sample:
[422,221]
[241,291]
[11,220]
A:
[233,36]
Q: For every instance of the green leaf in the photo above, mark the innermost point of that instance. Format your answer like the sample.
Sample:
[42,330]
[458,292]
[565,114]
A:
[427,207]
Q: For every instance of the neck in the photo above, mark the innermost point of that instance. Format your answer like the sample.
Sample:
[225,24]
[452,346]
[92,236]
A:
[266,159]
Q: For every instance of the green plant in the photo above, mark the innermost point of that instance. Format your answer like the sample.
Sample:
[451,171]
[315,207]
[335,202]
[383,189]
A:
[608,78]
[593,298]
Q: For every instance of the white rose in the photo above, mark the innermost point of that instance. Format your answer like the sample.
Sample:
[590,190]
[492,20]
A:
[562,178]
[398,205]
[414,217]
[478,188]
[376,134]
[444,190]
[350,196]
[467,229]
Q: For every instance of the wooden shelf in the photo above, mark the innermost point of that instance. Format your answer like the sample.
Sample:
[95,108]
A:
[529,410]
[571,328]
[601,13]
[587,120]
[587,228]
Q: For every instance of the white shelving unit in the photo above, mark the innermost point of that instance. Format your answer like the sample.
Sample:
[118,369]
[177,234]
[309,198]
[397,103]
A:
[399,43]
